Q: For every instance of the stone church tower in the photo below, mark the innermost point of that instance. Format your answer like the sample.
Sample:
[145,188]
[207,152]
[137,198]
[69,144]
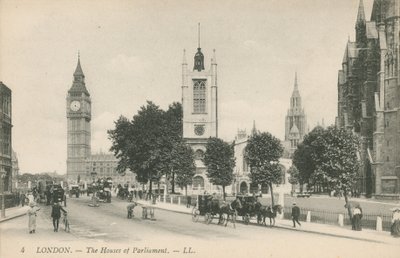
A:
[369,97]
[295,123]
[200,111]
[78,123]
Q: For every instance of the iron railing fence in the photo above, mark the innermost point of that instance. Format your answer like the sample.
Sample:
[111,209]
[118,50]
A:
[330,217]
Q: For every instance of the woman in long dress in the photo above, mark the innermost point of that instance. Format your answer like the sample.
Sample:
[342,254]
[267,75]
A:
[395,228]
[32,213]
[357,215]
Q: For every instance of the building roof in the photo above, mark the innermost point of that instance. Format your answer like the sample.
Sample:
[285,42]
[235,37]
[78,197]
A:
[350,52]
[372,32]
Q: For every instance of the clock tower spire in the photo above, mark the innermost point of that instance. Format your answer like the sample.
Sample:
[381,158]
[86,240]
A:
[78,131]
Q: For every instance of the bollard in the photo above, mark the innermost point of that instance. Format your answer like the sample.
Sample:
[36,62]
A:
[378,223]
[179,200]
[308,216]
[341,220]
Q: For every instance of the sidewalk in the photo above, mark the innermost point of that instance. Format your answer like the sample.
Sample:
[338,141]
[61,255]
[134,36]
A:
[307,227]
[15,212]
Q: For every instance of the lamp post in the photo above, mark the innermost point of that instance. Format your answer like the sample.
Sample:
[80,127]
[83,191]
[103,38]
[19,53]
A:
[3,207]
[94,201]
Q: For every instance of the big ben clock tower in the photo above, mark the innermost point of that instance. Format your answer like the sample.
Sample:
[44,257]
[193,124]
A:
[78,120]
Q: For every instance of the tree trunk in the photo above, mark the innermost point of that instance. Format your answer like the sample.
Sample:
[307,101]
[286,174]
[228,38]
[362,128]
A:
[346,199]
[301,188]
[186,190]
[173,183]
[272,195]
[223,192]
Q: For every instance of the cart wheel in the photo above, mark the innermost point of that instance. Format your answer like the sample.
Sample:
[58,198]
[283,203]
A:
[247,219]
[195,214]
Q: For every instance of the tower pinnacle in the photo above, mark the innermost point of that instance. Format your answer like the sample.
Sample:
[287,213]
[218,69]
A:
[198,57]
[199,35]
[361,13]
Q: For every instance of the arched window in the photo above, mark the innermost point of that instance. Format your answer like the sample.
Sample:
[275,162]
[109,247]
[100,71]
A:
[198,183]
[199,96]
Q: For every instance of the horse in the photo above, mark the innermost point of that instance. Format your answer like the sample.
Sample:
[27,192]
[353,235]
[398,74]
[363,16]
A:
[267,211]
[214,207]
[231,211]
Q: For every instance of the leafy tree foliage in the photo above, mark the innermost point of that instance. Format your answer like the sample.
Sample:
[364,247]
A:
[220,160]
[144,144]
[306,155]
[262,153]
[182,164]
[330,157]
[338,163]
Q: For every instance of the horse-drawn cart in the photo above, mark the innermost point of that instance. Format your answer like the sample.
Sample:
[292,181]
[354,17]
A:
[249,208]
[211,207]
[201,208]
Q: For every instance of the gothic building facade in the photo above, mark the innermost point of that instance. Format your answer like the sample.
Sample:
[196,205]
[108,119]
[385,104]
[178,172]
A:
[200,112]
[295,122]
[5,138]
[369,96]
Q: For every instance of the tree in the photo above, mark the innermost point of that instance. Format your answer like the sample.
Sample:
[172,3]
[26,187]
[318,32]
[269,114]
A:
[220,160]
[306,155]
[183,164]
[338,163]
[144,144]
[262,153]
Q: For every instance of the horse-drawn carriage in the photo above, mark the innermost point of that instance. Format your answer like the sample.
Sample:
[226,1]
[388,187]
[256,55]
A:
[210,207]
[252,208]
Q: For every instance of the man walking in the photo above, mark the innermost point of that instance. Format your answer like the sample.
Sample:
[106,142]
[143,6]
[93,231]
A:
[56,214]
[295,215]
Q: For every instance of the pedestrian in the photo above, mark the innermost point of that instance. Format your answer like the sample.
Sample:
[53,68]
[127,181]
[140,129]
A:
[357,215]
[56,215]
[23,199]
[395,228]
[295,215]
[130,209]
[188,201]
[32,213]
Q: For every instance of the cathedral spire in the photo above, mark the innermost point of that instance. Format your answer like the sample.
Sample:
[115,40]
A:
[295,81]
[361,13]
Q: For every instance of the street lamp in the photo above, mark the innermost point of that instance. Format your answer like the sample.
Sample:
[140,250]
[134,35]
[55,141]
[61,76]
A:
[94,201]
[3,207]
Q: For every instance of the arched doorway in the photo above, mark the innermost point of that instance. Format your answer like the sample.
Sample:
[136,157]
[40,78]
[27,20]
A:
[198,183]
[253,188]
[243,188]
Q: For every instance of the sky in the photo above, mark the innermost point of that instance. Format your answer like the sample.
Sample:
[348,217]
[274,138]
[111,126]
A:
[131,51]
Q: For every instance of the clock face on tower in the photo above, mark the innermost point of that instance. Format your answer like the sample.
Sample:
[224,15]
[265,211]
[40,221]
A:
[199,130]
[75,105]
